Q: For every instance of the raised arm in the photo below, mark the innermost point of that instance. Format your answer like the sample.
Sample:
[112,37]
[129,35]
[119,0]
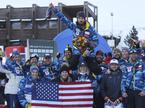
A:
[62,17]
[3,70]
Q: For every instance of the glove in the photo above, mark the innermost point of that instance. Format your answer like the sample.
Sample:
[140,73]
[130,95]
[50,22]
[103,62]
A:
[3,82]
[58,55]
[125,95]
[108,101]
[51,5]
[28,105]
[142,93]
[116,102]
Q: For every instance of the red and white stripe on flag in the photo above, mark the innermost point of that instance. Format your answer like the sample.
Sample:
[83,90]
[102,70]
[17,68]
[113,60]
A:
[71,95]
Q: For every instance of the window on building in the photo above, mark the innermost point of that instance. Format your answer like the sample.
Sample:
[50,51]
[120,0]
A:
[42,25]
[52,24]
[16,24]
[27,24]
[3,24]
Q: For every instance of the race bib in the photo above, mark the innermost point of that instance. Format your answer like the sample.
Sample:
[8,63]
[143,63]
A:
[129,69]
[46,71]
[18,70]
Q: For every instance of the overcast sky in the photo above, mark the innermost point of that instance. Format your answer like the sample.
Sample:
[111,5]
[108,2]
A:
[126,13]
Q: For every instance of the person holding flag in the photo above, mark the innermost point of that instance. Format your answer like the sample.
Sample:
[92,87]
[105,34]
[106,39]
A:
[25,87]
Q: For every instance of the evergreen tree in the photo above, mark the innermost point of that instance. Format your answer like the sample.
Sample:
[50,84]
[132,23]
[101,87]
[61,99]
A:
[132,39]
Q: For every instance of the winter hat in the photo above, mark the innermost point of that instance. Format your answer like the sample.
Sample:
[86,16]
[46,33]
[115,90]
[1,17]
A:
[15,53]
[34,56]
[114,61]
[64,68]
[81,14]
[133,51]
[99,52]
[82,64]
[68,48]
[47,56]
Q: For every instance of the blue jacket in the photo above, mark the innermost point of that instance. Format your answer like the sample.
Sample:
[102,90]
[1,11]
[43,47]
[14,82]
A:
[25,90]
[15,68]
[123,63]
[49,71]
[133,79]
[88,32]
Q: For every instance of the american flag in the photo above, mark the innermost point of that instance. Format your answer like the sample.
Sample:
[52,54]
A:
[62,95]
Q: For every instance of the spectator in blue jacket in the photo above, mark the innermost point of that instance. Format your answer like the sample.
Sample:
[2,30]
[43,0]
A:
[117,54]
[49,69]
[124,60]
[132,61]
[133,87]
[82,28]
[143,58]
[25,87]
[84,74]
[125,56]
[133,82]
[34,59]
